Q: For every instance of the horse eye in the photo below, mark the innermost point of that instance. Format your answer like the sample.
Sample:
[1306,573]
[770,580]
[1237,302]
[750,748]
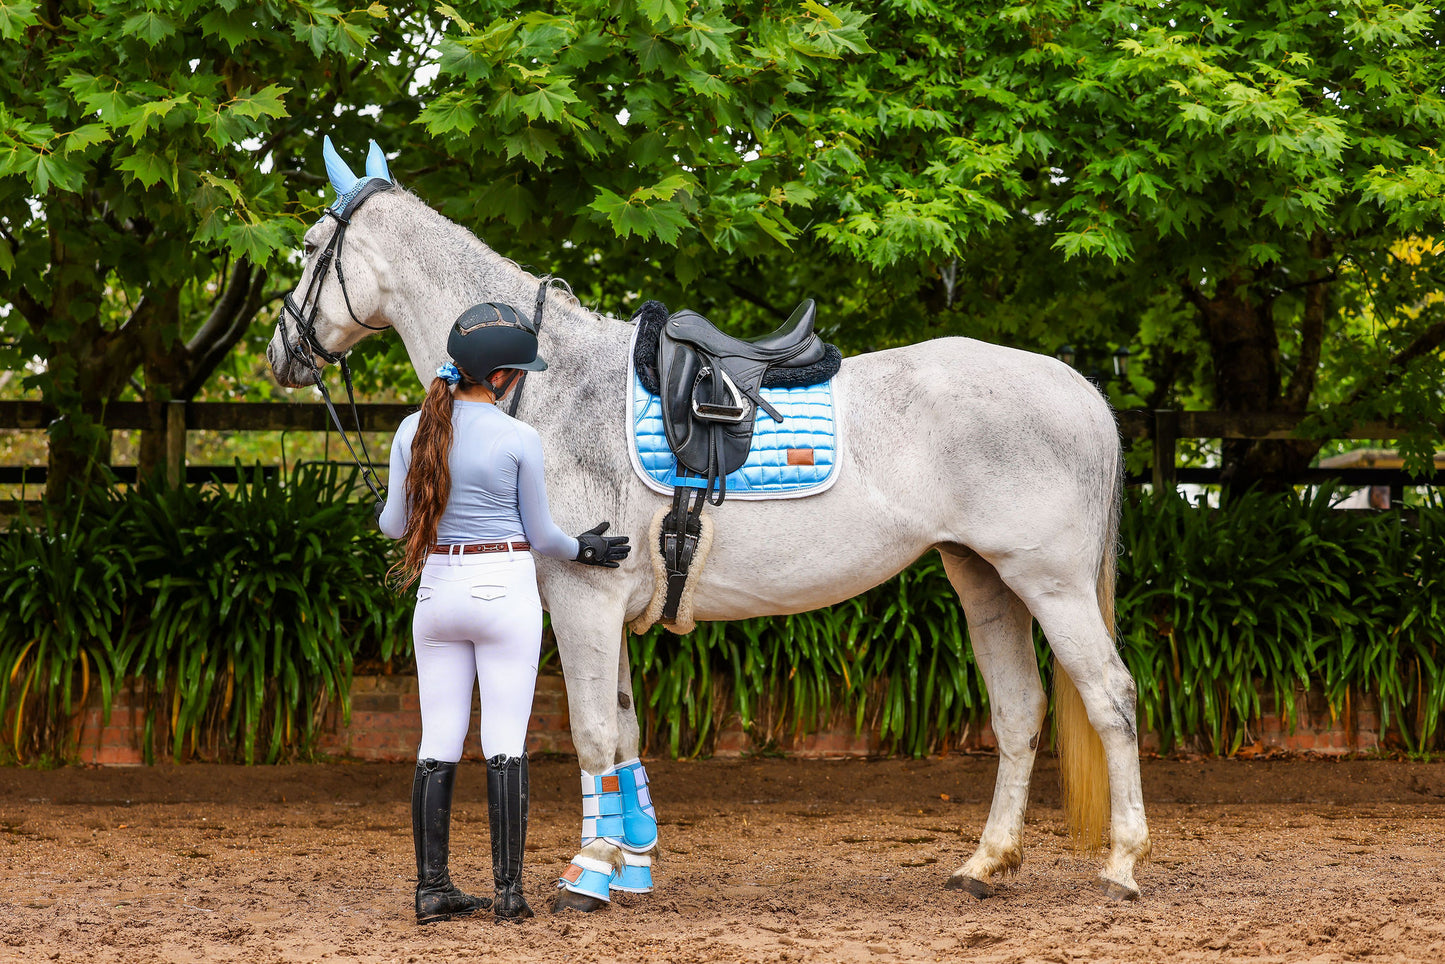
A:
[309,249]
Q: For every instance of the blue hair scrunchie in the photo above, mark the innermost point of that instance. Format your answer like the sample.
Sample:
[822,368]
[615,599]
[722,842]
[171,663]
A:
[449,374]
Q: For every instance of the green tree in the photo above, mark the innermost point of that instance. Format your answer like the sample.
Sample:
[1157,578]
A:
[1229,193]
[151,181]
[1195,180]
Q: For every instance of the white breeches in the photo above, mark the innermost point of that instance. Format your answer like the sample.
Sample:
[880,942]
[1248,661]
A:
[478,618]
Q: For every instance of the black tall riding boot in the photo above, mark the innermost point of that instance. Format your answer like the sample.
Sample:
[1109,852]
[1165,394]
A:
[431,818]
[507,804]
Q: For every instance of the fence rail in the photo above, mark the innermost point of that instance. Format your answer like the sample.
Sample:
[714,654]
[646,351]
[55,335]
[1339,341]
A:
[1164,427]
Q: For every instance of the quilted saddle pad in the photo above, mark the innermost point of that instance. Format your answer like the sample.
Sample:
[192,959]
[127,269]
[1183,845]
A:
[788,460]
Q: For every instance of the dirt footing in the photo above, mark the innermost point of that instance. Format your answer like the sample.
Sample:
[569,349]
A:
[762,860]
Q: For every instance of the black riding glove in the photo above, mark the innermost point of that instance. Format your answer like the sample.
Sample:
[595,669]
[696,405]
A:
[595,549]
[377,509]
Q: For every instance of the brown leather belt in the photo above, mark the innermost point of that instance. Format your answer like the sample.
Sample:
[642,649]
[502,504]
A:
[471,547]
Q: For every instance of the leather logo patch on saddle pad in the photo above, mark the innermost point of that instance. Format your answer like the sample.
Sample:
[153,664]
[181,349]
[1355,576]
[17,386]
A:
[800,456]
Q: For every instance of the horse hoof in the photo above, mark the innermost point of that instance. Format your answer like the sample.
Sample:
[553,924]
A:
[1119,892]
[567,900]
[969,885]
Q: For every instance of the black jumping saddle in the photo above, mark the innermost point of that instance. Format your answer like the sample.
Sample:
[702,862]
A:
[709,385]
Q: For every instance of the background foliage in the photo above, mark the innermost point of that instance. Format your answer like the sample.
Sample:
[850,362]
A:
[1248,198]
[238,613]
[241,615]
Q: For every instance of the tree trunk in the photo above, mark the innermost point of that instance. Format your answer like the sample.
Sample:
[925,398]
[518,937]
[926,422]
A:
[1239,326]
[176,370]
[89,368]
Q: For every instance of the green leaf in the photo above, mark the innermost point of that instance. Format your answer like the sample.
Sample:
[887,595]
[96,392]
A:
[84,136]
[451,14]
[144,116]
[654,53]
[15,18]
[54,169]
[509,200]
[316,36]
[533,143]
[663,220]
[828,17]
[657,11]
[150,26]
[150,168]
[260,242]
[234,27]
[462,61]
[265,102]
[99,95]
[547,102]
[450,112]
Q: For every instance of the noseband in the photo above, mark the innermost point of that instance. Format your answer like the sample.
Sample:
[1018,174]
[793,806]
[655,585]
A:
[306,349]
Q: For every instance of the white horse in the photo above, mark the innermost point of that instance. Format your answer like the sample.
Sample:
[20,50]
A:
[1006,462]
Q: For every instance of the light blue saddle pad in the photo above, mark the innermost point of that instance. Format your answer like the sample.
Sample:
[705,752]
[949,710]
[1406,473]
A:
[788,460]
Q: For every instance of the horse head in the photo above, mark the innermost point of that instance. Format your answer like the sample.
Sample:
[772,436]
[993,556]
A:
[340,297]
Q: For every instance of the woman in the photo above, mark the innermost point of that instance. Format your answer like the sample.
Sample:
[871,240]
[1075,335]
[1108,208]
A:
[470,513]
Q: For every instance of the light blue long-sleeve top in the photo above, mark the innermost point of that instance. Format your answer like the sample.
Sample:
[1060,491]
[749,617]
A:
[497,483]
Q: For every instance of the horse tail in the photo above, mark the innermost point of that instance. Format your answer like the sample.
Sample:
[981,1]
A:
[1082,766]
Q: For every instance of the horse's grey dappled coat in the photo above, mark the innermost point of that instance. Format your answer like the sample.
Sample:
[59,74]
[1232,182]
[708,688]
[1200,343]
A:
[1005,461]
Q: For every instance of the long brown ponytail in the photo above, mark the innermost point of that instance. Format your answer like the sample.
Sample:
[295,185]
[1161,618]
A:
[428,480]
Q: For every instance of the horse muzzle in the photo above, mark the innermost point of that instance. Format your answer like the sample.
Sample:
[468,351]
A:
[288,371]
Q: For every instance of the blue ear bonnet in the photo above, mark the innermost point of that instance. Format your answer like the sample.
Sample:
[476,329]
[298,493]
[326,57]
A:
[342,200]
[346,184]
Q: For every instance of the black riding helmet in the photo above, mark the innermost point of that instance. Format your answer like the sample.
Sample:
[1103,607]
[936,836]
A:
[490,337]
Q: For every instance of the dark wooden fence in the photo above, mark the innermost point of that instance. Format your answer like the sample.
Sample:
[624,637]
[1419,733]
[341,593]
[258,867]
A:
[174,419]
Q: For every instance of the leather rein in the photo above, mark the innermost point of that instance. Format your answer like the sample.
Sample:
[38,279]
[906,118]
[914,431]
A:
[306,349]
[546,282]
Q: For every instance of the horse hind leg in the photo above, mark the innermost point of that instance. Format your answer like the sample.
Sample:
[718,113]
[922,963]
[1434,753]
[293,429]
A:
[1068,610]
[1000,629]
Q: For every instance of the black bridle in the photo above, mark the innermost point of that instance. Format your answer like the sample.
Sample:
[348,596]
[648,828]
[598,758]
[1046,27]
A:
[306,349]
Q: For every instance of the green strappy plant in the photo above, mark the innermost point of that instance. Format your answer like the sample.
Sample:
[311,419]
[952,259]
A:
[1224,616]
[234,618]
[234,614]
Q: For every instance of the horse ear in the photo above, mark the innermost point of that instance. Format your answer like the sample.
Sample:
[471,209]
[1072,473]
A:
[342,180]
[376,163]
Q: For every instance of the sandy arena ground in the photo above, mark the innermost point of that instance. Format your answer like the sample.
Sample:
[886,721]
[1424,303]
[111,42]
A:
[764,860]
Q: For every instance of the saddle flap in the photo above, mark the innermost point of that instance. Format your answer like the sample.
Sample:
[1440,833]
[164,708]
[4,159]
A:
[706,416]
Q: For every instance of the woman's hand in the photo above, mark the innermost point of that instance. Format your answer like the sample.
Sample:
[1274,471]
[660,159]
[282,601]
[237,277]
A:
[595,549]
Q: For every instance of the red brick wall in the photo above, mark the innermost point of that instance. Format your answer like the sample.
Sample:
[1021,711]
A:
[386,725]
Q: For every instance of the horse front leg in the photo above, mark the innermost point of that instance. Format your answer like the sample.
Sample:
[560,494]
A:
[619,830]
[1000,629]
[639,845]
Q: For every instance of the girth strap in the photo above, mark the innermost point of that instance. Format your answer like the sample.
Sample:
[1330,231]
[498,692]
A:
[680,532]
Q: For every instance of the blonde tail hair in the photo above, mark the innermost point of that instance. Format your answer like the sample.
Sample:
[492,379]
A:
[1083,769]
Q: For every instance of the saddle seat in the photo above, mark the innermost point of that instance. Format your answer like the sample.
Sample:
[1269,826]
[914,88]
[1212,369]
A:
[793,345]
